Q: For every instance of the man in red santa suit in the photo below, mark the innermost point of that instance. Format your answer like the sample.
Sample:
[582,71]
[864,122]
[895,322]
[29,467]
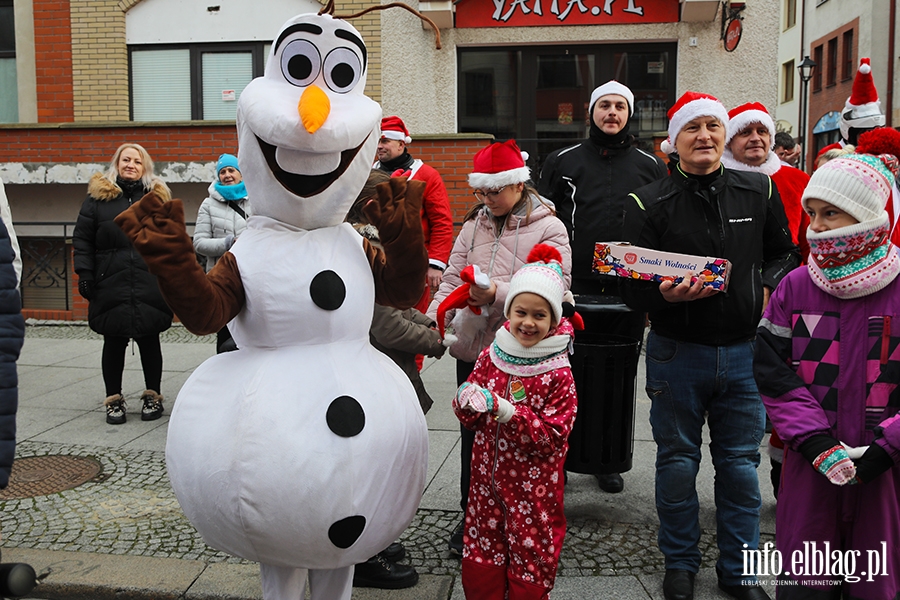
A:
[749,146]
[437,220]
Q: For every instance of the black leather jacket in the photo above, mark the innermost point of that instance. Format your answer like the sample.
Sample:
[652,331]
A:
[741,218]
[589,186]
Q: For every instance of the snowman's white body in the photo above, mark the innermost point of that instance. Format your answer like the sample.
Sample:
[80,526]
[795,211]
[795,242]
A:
[252,460]
[305,449]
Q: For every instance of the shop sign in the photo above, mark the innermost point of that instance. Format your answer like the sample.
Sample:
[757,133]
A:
[540,13]
[733,35]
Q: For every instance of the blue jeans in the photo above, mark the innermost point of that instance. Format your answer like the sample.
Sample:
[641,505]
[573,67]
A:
[687,383]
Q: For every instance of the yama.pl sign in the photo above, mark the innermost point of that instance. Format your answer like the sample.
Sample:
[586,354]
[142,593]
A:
[535,13]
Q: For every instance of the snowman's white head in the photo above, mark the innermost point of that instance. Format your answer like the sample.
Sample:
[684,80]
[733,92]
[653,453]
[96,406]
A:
[307,133]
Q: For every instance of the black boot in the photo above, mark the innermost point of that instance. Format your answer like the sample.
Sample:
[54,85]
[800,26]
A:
[378,572]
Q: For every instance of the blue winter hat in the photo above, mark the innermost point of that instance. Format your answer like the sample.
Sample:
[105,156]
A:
[227,160]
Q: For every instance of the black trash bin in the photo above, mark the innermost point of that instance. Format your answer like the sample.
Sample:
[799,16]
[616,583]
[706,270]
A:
[605,368]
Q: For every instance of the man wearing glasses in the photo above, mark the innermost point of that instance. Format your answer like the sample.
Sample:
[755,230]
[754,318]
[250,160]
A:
[588,183]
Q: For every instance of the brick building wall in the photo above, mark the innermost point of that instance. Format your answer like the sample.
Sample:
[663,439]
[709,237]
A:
[53,59]
[450,155]
[830,97]
[99,60]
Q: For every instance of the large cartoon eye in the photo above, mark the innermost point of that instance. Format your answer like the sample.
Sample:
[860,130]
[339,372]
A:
[342,70]
[300,62]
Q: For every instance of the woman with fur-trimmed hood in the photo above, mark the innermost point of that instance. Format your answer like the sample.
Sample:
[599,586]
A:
[125,301]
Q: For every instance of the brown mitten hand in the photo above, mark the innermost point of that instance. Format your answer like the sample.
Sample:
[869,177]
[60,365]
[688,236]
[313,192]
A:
[397,209]
[151,223]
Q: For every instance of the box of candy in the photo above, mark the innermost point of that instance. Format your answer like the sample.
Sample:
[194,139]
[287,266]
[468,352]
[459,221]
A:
[621,259]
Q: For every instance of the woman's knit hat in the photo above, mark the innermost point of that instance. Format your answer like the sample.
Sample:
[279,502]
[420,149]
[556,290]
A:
[498,165]
[227,160]
[858,184]
[542,275]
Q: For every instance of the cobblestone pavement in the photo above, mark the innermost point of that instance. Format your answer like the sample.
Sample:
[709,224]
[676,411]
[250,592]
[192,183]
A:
[129,508]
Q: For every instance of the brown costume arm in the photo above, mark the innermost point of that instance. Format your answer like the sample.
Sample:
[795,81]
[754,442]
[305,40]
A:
[204,303]
[399,270]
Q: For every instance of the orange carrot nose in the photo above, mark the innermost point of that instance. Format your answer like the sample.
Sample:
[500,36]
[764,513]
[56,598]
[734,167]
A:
[314,107]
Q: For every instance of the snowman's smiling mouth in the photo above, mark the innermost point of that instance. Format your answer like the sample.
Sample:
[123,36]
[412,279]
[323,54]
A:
[307,185]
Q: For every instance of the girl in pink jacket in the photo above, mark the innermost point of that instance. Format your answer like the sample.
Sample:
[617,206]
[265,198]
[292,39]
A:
[520,402]
[498,233]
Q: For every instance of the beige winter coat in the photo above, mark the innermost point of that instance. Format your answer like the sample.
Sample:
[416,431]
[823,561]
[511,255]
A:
[499,254]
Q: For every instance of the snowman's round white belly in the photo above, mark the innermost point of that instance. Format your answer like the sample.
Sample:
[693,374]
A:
[305,456]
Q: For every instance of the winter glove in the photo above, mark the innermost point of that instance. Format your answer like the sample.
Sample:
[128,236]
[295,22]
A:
[504,410]
[872,463]
[229,240]
[472,396]
[396,209]
[86,288]
[836,465]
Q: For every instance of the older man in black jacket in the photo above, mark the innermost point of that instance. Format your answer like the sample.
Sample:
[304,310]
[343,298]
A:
[700,349]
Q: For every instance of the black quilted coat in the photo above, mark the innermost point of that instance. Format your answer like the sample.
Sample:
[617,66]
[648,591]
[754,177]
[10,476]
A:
[125,299]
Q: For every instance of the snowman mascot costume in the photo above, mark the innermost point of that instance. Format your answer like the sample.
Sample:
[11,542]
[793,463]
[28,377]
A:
[306,449]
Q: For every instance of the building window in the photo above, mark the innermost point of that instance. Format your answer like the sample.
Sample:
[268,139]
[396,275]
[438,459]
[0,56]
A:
[817,72]
[539,95]
[787,81]
[832,62]
[847,69]
[195,82]
[790,13]
[9,89]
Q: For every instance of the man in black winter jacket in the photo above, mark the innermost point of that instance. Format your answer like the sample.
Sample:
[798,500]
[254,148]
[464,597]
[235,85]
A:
[700,348]
[589,184]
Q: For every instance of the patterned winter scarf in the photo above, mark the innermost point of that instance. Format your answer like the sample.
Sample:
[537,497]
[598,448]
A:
[550,353]
[853,261]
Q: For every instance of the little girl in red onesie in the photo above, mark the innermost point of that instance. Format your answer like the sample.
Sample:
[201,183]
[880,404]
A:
[520,401]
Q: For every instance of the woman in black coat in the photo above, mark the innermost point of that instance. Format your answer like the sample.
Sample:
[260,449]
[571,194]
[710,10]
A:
[124,299]
[12,334]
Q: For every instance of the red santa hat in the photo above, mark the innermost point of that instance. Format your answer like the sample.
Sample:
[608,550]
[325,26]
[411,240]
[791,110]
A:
[741,116]
[393,128]
[862,110]
[498,165]
[690,106]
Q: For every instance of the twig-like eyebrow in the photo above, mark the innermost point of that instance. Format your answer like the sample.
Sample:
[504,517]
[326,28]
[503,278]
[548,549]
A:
[347,35]
[304,27]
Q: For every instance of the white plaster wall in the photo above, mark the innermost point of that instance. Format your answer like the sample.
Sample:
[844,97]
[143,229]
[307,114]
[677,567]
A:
[182,21]
[789,49]
[419,82]
[170,172]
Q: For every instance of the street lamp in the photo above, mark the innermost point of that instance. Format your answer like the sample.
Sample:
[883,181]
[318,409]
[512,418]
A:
[806,67]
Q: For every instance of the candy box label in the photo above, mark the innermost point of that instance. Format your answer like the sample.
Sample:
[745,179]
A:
[621,259]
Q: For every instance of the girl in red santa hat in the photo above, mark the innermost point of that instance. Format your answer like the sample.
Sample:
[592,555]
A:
[499,231]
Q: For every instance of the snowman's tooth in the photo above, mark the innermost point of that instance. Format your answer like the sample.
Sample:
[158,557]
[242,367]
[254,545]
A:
[345,416]
[345,532]
[327,290]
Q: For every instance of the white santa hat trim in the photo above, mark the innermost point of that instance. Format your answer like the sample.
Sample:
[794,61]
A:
[690,106]
[739,119]
[613,87]
[396,135]
[494,181]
